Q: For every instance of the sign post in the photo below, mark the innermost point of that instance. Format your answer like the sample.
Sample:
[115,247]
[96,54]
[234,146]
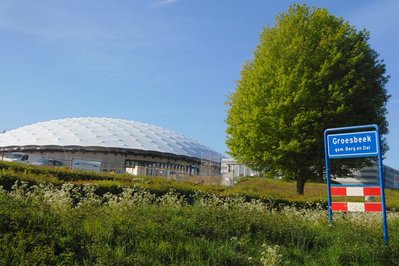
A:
[354,142]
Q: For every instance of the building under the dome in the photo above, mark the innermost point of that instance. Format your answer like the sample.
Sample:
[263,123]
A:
[114,145]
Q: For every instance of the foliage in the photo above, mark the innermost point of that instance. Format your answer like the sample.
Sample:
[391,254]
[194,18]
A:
[70,224]
[272,192]
[311,71]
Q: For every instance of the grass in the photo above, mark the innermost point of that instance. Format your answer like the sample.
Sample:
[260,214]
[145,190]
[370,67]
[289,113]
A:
[72,225]
[110,219]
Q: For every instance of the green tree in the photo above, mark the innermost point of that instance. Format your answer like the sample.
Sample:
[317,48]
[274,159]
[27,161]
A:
[311,71]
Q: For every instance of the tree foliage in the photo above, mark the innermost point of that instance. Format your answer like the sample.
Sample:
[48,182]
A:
[311,71]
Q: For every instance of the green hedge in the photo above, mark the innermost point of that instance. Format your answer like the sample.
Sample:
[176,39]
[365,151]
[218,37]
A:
[112,183]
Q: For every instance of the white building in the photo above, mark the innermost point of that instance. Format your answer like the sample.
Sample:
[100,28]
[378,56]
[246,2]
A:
[232,171]
[119,145]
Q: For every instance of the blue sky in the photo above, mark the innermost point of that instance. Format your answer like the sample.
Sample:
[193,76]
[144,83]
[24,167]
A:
[170,63]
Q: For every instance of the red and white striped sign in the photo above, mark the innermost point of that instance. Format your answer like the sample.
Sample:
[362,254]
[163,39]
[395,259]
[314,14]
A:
[356,206]
[355,191]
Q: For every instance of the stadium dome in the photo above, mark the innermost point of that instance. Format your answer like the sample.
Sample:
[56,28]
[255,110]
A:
[107,135]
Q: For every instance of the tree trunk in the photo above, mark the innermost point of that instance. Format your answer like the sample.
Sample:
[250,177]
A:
[300,184]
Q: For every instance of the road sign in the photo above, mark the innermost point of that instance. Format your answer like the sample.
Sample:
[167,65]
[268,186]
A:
[355,191]
[347,145]
[353,142]
[357,206]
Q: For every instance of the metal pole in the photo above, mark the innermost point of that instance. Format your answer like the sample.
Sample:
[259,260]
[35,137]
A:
[330,215]
[382,185]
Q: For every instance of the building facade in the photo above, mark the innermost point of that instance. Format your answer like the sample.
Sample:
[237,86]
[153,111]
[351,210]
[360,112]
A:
[369,175]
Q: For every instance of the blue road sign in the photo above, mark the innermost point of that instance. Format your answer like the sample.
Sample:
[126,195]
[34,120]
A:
[352,145]
[357,144]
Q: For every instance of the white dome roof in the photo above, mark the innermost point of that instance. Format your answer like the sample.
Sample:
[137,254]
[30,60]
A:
[105,133]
